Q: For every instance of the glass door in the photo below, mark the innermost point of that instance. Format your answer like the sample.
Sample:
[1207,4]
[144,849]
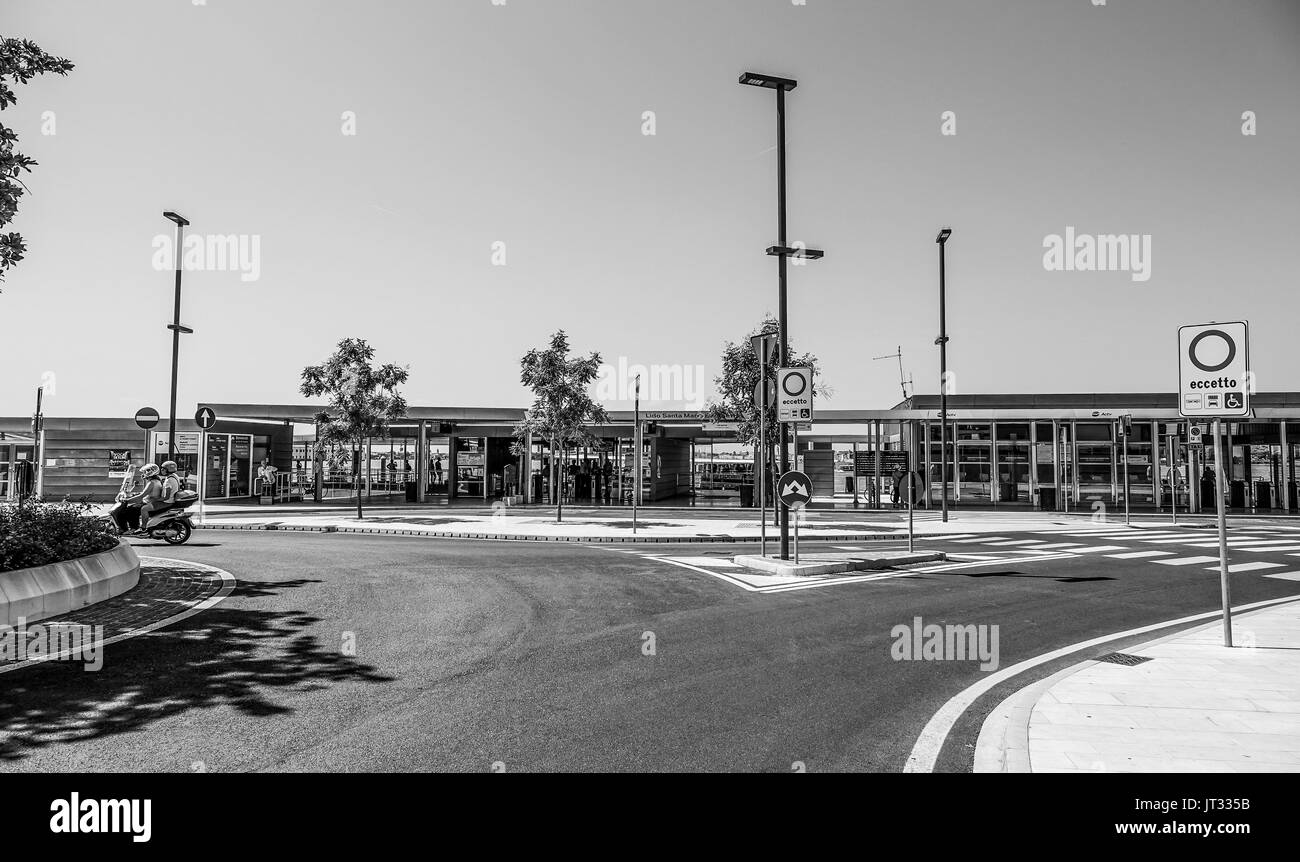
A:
[215,466]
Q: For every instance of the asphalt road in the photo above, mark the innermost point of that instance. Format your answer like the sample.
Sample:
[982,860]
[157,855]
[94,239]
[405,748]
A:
[474,655]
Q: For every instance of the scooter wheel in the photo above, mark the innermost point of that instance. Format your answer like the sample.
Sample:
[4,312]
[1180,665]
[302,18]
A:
[179,534]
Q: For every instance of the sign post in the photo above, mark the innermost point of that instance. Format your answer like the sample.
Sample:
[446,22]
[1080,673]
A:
[794,490]
[794,403]
[205,418]
[1214,382]
[1125,429]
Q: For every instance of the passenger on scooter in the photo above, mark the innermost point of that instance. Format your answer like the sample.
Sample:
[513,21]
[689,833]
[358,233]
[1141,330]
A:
[165,496]
[150,489]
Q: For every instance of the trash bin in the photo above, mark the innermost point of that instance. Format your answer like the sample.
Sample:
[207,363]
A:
[1237,494]
[1263,495]
[411,492]
[746,495]
[1047,499]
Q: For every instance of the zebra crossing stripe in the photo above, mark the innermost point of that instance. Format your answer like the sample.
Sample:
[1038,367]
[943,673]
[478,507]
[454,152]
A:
[1259,550]
[1019,542]
[1059,545]
[1135,555]
[1246,567]
[1285,576]
[1186,561]
[1098,549]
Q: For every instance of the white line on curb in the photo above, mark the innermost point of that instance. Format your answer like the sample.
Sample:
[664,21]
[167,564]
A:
[925,753]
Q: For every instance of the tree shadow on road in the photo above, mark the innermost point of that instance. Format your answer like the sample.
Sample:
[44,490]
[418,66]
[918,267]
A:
[223,656]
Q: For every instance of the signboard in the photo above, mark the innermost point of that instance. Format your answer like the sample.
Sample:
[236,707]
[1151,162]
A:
[794,395]
[187,443]
[720,426]
[205,418]
[864,463]
[119,461]
[758,393]
[1213,370]
[146,417]
[1194,433]
[794,489]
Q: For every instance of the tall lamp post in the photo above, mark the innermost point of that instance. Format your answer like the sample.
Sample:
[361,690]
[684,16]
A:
[942,341]
[781,251]
[176,328]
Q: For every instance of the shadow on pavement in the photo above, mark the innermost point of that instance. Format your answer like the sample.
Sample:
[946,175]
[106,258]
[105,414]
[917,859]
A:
[223,656]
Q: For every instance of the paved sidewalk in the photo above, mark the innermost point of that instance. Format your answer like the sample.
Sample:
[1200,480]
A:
[591,525]
[1192,706]
[168,591]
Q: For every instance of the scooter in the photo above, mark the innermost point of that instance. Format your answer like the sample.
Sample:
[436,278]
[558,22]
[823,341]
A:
[172,524]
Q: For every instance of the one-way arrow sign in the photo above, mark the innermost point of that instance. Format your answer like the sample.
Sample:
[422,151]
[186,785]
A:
[205,418]
[794,489]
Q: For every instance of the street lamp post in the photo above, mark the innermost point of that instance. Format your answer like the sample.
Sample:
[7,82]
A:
[176,328]
[781,251]
[942,341]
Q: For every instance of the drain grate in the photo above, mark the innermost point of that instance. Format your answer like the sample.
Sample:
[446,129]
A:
[1124,658]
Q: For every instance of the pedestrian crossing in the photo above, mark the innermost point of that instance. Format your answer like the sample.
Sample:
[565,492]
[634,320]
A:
[1158,545]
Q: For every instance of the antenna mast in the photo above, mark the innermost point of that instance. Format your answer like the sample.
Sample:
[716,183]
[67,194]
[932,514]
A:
[904,380]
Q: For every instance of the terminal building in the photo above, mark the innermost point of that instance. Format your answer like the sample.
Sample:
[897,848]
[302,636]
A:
[1064,452]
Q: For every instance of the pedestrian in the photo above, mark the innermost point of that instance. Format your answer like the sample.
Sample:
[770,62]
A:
[895,493]
[437,469]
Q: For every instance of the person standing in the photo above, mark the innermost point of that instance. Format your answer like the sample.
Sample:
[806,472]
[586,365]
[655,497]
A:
[895,492]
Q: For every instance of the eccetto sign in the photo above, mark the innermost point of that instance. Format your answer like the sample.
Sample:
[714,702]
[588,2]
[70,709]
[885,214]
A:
[794,395]
[1213,370]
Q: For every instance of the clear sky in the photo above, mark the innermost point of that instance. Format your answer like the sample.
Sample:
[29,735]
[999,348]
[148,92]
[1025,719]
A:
[522,123]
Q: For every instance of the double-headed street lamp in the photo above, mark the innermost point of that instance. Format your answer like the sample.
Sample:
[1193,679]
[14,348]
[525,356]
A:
[781,251]
[942,341]
[176,328]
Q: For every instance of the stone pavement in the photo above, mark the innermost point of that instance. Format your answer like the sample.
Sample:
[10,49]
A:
[592,525]
[168,591]
[1189,704]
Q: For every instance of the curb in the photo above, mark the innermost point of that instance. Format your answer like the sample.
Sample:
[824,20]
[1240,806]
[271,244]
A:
[787,569]
[1003,742]
[539,537]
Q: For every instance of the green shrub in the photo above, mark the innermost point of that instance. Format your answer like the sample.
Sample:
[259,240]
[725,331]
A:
[40,533]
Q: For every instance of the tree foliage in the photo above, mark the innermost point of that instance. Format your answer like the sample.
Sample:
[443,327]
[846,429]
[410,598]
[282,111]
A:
[363,400]
[20,61]
[740,372]
[562,408]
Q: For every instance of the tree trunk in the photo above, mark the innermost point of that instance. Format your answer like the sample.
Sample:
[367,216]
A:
[557,486]
[356,466]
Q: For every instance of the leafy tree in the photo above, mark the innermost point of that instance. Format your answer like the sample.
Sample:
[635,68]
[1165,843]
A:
[735,385]
[20,61]
[363,400]
[562,408]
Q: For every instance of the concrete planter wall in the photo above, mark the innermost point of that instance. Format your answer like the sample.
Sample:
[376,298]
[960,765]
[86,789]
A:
[47,591]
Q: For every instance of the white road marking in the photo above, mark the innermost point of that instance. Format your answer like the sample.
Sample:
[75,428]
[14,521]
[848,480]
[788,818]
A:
[1186,561]
[1134,555]
[925,752]
[1245,567]
[1098,549]
[1019,542]
[976,541]
[1059,545]
[1265,550]
[1285,576]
